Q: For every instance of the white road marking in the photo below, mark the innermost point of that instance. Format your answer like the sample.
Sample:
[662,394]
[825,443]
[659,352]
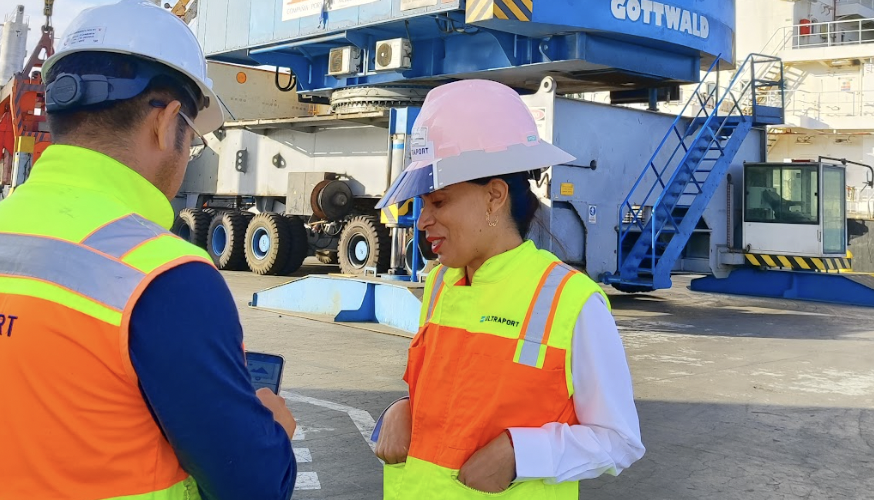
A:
[361,418]
[307,481]
[303,455]
[299,434]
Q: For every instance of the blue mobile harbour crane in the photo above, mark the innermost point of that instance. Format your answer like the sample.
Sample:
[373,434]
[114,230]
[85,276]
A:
[649,195]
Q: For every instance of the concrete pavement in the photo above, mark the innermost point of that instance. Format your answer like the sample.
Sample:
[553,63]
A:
[739,398]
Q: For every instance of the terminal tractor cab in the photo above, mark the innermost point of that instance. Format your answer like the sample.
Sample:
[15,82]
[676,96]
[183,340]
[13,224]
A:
[794,214]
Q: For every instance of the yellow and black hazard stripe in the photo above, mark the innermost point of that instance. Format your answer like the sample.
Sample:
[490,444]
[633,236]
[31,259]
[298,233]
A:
[391,213]
[824,264]
[507,10]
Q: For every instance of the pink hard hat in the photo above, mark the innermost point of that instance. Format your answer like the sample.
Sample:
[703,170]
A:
[469,130]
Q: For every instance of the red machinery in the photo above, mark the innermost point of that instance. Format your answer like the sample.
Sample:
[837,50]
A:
[22,106]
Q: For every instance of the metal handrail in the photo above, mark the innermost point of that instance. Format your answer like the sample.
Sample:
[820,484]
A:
[747,93]
[780,42]
[829,29]
[735,105]
[864,3]
[651,163]
[829,104]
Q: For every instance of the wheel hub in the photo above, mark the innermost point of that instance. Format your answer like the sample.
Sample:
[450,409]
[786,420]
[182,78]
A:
[219,240]
[359,251]
[260,243]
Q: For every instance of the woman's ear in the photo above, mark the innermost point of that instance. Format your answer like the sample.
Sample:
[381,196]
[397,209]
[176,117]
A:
[499,194]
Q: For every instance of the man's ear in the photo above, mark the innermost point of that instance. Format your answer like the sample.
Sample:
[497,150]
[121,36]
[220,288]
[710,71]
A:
[165,125]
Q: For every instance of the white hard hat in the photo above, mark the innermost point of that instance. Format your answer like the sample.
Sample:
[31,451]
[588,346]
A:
[143,29]
[467,130]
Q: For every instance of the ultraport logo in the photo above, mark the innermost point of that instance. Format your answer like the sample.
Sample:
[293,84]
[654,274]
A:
[498,319]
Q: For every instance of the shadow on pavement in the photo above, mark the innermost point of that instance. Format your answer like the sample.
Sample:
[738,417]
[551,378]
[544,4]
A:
[694,451]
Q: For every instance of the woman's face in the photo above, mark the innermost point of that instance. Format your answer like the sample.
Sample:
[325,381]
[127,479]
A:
[454,221]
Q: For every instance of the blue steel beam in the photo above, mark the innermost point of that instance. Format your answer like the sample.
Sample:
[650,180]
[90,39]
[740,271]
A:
[847,289]
[654,41]
[458,55]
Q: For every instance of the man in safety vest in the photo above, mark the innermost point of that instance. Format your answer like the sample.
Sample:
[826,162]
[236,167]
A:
[122,373]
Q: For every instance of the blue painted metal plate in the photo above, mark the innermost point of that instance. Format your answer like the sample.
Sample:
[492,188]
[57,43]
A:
[847,289]
[346,300]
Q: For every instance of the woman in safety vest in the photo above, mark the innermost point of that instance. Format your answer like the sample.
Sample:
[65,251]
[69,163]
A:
[518,379]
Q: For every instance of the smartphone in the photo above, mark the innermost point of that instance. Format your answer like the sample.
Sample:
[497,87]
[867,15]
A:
[265,370]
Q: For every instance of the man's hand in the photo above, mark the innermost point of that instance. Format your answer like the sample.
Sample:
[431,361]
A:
[281,413]
[394,439]
[492,468]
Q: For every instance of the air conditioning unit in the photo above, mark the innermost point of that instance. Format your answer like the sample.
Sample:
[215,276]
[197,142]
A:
[344,61]
[394,54]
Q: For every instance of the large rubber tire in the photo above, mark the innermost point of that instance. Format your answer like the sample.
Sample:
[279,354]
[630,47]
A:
[328,257]
[408,257]
[226,239]
[192,225]
[268,243]
[299,247]
[364,242]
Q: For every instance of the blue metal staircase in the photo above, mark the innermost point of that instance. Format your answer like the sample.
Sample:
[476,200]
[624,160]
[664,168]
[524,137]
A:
[666,203]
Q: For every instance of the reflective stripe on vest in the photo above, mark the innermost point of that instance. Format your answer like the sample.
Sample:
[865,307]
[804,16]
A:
[71,266]
[531,349]
[436,288]
[121,236]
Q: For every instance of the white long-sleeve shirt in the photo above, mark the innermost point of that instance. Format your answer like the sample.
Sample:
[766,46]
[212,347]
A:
[607,439]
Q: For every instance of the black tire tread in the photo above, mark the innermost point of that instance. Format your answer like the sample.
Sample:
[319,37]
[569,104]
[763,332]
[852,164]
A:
[274,262]
[328,256]
[198,222]
[234,257]
[299,248]
[380,241]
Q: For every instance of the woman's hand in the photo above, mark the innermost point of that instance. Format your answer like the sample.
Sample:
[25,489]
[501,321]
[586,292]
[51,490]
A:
[393,443]
[492,468]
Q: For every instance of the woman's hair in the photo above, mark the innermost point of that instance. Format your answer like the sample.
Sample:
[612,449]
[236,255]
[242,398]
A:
[523,202]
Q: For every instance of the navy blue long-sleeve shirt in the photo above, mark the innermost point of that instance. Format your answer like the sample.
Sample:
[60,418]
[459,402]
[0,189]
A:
[185,345]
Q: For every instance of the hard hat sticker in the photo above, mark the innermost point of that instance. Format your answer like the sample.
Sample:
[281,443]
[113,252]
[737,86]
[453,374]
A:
[422,152]
[85,36]
[419,136]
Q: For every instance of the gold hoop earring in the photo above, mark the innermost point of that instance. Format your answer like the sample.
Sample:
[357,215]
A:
[492,223]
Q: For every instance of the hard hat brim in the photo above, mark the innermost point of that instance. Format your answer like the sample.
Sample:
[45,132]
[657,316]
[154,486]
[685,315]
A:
[212,117]
[425,177]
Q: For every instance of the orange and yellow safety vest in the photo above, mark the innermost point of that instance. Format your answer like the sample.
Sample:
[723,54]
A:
[79,242]
[488,357]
